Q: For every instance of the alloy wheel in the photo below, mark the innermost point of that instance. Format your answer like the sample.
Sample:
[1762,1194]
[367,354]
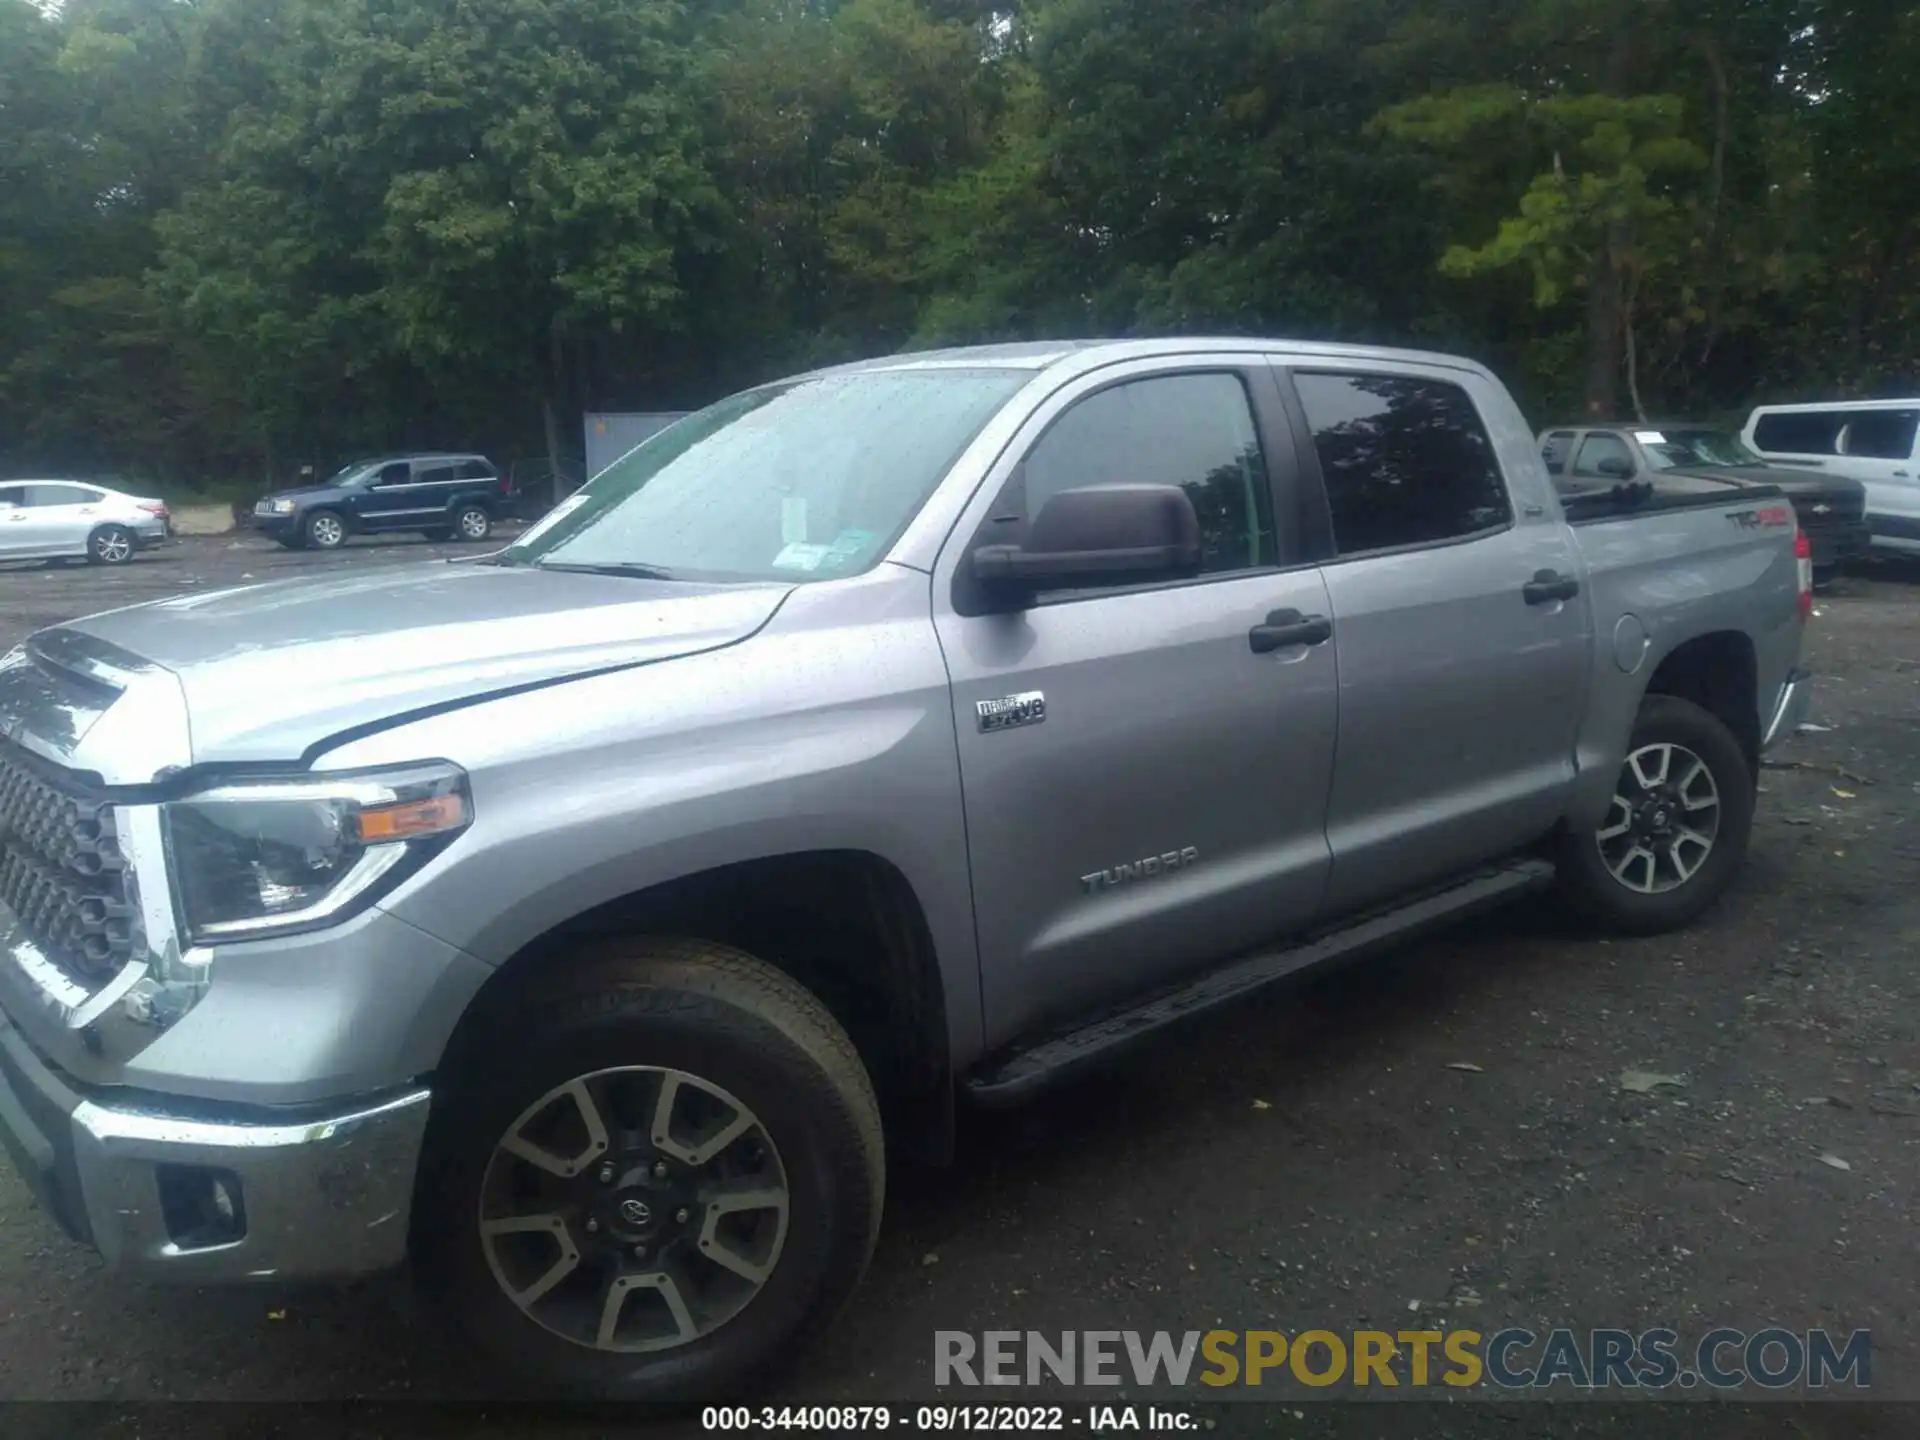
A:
[113,546]
[633,1210]
[1661,825]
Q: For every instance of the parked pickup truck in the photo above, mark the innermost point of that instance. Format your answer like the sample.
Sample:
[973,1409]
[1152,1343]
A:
[1831,508]
[582,923]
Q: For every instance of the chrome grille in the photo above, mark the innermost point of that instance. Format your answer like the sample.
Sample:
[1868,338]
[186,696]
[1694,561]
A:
[61,871]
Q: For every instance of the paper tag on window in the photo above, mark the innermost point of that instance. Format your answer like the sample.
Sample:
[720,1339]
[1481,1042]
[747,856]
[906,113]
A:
[793,520]
[801,557]
[1649,437]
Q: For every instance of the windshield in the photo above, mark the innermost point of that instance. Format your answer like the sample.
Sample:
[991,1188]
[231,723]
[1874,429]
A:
[346,472]
[807,480]
[1695,449]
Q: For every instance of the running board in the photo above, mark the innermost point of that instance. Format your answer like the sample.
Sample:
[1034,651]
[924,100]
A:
[1015,1076]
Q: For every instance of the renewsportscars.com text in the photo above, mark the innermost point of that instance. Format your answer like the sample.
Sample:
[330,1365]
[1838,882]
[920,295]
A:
[1513,1359]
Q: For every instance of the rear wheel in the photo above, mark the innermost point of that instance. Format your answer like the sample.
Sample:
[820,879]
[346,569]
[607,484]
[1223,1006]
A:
[324,530]
[472,522]
[1676,829]
[111,545]
[670,1174]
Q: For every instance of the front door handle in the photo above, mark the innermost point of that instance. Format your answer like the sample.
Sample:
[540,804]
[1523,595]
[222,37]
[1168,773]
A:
[1549,585]
[1289,627]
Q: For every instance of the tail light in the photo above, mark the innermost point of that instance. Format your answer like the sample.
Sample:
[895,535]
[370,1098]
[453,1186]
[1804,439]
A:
[154,507]
[1803,563]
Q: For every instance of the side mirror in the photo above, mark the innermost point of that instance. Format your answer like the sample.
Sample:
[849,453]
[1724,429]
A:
[1097,536]
[1615,468]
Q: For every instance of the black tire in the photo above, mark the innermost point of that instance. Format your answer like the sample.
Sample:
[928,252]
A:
[112,545]
[324,530]
[1584,873]
[472,523]
[721,1016]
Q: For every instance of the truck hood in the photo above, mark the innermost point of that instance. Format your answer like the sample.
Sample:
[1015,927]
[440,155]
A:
[269,672]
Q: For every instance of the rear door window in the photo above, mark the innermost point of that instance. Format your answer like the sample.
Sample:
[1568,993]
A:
[1554,451]
[40,496]
[477,470]
[438,473]
[1800,432]
[1405,459]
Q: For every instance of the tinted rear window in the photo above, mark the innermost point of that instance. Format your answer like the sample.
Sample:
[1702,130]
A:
[1405,459]
[1814,432]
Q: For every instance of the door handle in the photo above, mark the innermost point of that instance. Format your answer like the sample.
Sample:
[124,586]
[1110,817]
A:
[1289,627]
[1549,585]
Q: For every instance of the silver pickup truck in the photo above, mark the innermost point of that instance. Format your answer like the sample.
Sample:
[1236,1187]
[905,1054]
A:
[581,924]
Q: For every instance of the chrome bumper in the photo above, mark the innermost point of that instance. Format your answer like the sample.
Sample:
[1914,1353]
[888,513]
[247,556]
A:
[314,1194]
[1790,709]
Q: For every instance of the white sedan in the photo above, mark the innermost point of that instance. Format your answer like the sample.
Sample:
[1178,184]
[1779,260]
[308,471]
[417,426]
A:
[66,519]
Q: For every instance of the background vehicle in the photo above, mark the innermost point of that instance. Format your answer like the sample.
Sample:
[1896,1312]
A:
[69,519]
[447,497]
[895,735]
[1875,441]
[1830,508]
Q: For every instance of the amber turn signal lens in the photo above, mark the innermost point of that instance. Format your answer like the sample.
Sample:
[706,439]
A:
[409,818]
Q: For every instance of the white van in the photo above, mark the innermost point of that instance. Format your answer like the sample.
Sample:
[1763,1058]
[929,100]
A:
[1874,441]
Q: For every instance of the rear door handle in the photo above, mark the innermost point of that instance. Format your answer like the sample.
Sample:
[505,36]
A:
[1289,627]
[1549,585]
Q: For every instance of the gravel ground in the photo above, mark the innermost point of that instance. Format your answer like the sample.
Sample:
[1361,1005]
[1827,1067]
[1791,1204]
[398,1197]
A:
[1313,1161]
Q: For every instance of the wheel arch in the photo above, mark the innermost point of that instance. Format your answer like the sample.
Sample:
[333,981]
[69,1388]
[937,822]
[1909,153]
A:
[1719,672]
[845,923]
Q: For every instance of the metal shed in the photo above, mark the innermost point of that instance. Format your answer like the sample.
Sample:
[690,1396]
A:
[610,435]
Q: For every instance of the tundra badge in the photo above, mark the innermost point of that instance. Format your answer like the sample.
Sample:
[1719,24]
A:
[1143,869]
[1027,708]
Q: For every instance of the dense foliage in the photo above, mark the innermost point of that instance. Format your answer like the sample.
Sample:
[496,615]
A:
[241,235]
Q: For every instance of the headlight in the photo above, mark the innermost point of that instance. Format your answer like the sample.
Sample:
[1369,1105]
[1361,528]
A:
[281,507]
[270,856]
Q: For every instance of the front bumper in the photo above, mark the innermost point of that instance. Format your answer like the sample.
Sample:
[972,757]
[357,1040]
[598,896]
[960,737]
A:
[1790,708]
[307,1194]
[274,523]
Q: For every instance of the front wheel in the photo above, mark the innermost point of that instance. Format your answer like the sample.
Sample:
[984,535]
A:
[324,530]
[111,545]
[653,1180]
[1676,830]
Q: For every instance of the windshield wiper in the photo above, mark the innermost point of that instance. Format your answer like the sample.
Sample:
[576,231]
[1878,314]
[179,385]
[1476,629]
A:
[634,568]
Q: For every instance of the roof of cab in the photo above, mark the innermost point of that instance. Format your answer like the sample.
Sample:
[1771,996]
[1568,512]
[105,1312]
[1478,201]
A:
[1037,355]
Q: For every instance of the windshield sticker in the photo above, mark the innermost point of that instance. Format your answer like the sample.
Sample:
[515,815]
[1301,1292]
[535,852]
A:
[849,544]
[553,517]
[793,521]
[1649,437]
[802,557]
